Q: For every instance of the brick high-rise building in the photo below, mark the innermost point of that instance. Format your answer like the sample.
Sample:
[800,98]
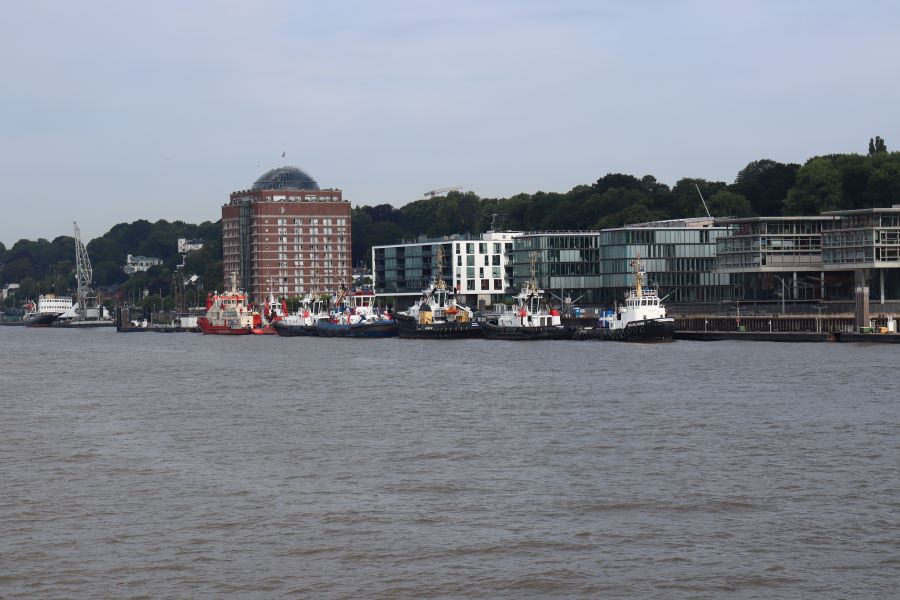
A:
[285,235]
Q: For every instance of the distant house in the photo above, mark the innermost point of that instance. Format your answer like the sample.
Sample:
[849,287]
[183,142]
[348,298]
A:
[185,245]
[7,290]
[133,264]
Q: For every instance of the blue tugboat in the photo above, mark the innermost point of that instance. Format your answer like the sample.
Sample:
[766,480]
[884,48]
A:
[355,315]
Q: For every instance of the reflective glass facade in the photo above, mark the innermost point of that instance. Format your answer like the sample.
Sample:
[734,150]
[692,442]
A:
[862,239]
[593,267]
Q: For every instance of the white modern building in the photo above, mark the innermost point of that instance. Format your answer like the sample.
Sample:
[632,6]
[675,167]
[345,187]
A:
[185,245]
[478,266]
[133,264]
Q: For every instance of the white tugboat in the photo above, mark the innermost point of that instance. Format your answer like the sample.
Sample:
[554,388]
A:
[437,314]
[312,309]
[531,318]
[641,319]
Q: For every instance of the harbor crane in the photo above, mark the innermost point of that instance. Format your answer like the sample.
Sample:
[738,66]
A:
[442,191]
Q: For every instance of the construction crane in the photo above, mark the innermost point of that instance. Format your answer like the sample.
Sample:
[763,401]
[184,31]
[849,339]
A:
[83,276]
[441,191]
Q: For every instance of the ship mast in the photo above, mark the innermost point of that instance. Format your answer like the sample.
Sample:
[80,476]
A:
[439,259]
[83,275]
[638,275]
[533,258]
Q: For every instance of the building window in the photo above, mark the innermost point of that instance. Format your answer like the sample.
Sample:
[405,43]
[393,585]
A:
[498,284]
[485,284]
[470,284]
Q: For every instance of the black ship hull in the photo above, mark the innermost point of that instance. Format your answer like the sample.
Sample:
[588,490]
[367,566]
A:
[409,328]
[286,330]
[42,320]
[358,330]
[493,331]
[648,331]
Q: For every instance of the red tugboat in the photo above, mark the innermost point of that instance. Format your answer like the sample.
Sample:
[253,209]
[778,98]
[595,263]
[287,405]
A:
[228,313]
[275,311]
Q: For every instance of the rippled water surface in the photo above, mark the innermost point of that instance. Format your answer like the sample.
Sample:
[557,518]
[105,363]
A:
[190,466]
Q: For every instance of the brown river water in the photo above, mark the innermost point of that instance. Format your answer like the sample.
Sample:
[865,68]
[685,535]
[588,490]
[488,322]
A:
[188,466]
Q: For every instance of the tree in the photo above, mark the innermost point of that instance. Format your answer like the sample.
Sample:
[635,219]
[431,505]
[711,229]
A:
[729,204]
[877,145]
[818,189]
[766,183]
[685,201]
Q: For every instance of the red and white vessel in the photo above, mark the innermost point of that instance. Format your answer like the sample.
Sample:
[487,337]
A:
[275,311]
[229,313]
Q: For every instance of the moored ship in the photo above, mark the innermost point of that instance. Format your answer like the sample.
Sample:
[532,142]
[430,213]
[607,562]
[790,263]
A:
[530,319]
[355,315]
[48,309]
[642,318]
[229,313]
[437,314]
[274,312]
[303,322]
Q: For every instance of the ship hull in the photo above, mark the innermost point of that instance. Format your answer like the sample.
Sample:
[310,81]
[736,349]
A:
[208,328]
[409,328]
[287,330]
[267,330]
[493,331]
[358,330]
[42,320]
[648,331]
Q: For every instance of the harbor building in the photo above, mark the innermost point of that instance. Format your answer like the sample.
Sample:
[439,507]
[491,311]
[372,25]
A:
[814,259]
[286,234]
[477,266]
[864,246]
[777,258]
[594,267]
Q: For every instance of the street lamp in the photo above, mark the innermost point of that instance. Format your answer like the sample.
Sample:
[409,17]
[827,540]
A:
[782,292]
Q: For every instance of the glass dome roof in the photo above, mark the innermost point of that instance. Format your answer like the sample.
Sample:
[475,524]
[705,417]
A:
[285,178]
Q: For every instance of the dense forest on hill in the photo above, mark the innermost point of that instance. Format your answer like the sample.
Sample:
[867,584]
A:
[762,188]
[42,266]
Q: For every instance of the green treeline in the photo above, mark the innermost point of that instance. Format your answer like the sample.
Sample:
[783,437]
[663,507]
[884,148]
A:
[42,266]
[762,188]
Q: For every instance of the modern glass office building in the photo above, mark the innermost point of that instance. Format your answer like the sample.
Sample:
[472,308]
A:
[867,243]
[594,267]
[773,256]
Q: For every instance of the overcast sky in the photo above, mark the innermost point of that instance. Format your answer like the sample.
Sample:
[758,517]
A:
[115,111]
